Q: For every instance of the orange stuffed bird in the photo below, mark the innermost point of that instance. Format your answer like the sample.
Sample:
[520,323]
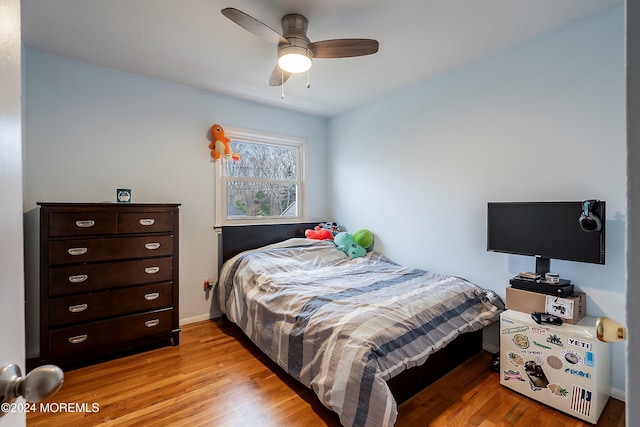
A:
[219,144]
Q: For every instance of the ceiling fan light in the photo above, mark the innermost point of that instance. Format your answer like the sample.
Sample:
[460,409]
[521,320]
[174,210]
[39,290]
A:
[294,59]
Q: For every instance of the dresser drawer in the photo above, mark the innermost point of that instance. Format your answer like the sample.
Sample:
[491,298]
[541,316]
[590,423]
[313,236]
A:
[82,339]
[82,223]
[82,278]
[145,222]
[112,248]
[102,305]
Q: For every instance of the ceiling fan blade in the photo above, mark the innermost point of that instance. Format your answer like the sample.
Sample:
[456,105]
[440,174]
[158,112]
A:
[254,26]
[278,76]
[342,48]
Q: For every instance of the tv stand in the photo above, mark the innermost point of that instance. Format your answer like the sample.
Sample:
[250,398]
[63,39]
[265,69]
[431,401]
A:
[543,266]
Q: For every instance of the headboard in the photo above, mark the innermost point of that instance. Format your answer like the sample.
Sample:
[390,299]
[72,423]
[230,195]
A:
[239,238]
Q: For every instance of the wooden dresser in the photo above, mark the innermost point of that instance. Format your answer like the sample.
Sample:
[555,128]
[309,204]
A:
[108,279]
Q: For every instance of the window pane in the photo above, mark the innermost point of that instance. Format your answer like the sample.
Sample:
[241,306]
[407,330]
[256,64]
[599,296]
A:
[263,161]
[253,199]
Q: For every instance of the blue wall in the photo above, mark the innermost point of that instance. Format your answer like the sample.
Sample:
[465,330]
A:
[544,120]
[91,129]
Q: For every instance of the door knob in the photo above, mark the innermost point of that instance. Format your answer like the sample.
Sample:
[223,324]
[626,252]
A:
[609,330]
[37,385]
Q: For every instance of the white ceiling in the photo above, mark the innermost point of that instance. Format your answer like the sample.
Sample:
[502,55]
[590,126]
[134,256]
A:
[191,42]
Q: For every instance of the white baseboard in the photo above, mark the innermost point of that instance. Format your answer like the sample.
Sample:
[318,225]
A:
[618,394]
[490,348]
[195,319]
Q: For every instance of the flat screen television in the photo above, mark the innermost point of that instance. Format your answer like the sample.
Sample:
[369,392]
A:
[548,230]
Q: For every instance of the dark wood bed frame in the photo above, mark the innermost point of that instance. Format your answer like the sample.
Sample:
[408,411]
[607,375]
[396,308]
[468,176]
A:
[236,239]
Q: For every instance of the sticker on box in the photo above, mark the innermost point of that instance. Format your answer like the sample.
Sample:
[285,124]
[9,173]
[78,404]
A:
[589,359]
[572,357]
[560,307]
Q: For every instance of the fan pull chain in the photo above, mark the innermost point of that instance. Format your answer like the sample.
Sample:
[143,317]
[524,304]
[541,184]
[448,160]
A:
[281,84]
[308,78]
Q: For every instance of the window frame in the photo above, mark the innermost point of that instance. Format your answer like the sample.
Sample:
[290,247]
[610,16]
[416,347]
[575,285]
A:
[221,180]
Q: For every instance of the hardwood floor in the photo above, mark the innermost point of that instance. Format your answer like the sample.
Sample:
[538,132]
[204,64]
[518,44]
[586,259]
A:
[216,377]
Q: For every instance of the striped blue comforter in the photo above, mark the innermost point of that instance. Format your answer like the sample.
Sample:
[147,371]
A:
[344,326]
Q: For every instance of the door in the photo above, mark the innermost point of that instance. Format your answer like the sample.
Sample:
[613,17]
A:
[11,254]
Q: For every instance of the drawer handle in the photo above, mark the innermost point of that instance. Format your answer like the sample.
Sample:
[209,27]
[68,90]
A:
[78,278]
[85,223]
[78,308]
[151,270]
[77,251]
[78,339]
[152,246]
[152,323]
[147,221]
[151,296]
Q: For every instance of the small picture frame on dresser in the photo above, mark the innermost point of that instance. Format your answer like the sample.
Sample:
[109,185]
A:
[123,195]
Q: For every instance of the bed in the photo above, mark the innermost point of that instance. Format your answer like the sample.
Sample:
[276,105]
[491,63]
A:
[358,332]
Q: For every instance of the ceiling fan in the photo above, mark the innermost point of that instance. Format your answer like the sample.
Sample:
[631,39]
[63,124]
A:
[295,50]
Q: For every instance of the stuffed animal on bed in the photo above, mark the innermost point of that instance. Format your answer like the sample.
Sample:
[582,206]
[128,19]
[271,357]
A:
[323,231]
[220,145]
[318,233]
[347,244]
[364,238]
[333,227]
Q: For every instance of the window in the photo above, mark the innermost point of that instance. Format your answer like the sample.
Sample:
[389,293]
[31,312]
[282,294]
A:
[266,185]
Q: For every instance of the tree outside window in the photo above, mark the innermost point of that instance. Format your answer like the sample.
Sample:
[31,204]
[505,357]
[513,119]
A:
[266,185]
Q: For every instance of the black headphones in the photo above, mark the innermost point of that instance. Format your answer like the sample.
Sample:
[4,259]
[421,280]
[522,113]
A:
[588,221]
